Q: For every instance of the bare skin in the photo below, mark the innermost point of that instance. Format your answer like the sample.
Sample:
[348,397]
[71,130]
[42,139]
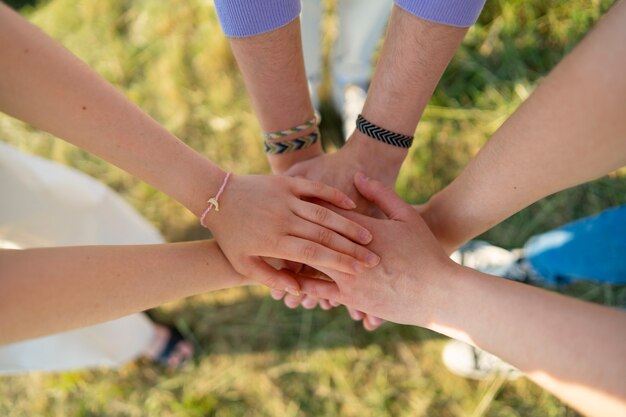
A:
[572,348]
[71,287]
[45,85]
[414,56]
[571,130]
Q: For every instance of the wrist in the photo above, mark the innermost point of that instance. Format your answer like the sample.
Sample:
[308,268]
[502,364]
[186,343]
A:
[219,203]
[282,162]
[444,222]
[377,159]
[436,296]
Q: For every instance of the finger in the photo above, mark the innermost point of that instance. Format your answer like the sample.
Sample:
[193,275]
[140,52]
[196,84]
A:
[384,197]
[371,323]
[309,271]
[336,276]
[293,301]
[331,220]
[277,294]
[294,267]
[309,302]
[281,280]
[334,303]
[320,289]
[355,314]
[325,304]
[307,188]
[311,253]
[334,241]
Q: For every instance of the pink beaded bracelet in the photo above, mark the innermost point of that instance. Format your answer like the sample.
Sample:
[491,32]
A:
[214,201]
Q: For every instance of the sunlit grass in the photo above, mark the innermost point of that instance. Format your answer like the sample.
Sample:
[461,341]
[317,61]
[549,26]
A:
[256,356]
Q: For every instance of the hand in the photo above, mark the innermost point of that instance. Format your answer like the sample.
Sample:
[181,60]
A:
[403,287]
[266,216]
[370,323]
[338,169]
[360,154]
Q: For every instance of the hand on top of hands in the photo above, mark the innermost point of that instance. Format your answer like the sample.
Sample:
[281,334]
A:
[397,289]
[267,216]
[337,169]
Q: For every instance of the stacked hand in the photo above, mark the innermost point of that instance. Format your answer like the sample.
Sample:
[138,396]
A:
[267,216]
[338,169]
[389,290]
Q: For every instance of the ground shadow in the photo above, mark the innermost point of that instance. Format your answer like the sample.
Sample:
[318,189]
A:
[256,324]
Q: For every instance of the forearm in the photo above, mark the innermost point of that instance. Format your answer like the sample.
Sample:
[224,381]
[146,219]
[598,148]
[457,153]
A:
[571,348]
[45,85]
[272,66]
[413,58]
[571,130]
[44,291]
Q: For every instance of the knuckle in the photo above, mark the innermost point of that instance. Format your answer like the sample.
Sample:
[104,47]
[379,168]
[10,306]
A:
[270,281]
[317,186]
[313,292]
[309,252]
[320,214]
[343,259]
[325,237]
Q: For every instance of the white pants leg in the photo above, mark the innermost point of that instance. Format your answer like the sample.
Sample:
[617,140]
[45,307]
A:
[46,204]
[361,26]
[311,20]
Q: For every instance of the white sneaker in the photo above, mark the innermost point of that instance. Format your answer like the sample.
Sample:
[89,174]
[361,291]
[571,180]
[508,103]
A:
[469,362]
[493,260]
[353,101]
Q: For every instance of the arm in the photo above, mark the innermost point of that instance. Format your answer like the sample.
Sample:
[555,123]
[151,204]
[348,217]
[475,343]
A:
[421,40]
[272,66]
[265,39]
[572,348]
[575,115]
[415,54]
[44,291]
[45,85]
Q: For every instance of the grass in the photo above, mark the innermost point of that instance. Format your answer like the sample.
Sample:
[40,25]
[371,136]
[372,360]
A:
[258,358]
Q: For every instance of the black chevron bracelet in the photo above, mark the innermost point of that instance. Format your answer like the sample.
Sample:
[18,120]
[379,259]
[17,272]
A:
[383,135]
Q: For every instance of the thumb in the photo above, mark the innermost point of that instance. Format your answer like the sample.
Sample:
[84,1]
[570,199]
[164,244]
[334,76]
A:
[382,196]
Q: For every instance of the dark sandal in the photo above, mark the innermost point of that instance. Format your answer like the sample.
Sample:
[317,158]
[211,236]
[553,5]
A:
[174,339]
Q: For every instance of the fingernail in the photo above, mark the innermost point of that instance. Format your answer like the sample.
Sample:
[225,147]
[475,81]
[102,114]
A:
[292,291]
[349,203]
[357,266]
[308,303]
[376,321]
[357,315]
[365,236]
[334,303]
[362,177]
[372,259]
[277,294]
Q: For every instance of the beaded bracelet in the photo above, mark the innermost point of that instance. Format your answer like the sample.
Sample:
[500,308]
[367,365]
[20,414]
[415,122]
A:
[376,132]
[291,145]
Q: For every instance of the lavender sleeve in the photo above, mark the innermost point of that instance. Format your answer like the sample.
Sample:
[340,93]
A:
[462,13]
[241,18]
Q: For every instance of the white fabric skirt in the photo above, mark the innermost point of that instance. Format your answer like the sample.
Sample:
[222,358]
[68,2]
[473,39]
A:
[45,204]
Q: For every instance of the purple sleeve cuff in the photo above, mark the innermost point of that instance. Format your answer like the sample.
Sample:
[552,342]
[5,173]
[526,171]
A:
[461,13]
[241,18]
